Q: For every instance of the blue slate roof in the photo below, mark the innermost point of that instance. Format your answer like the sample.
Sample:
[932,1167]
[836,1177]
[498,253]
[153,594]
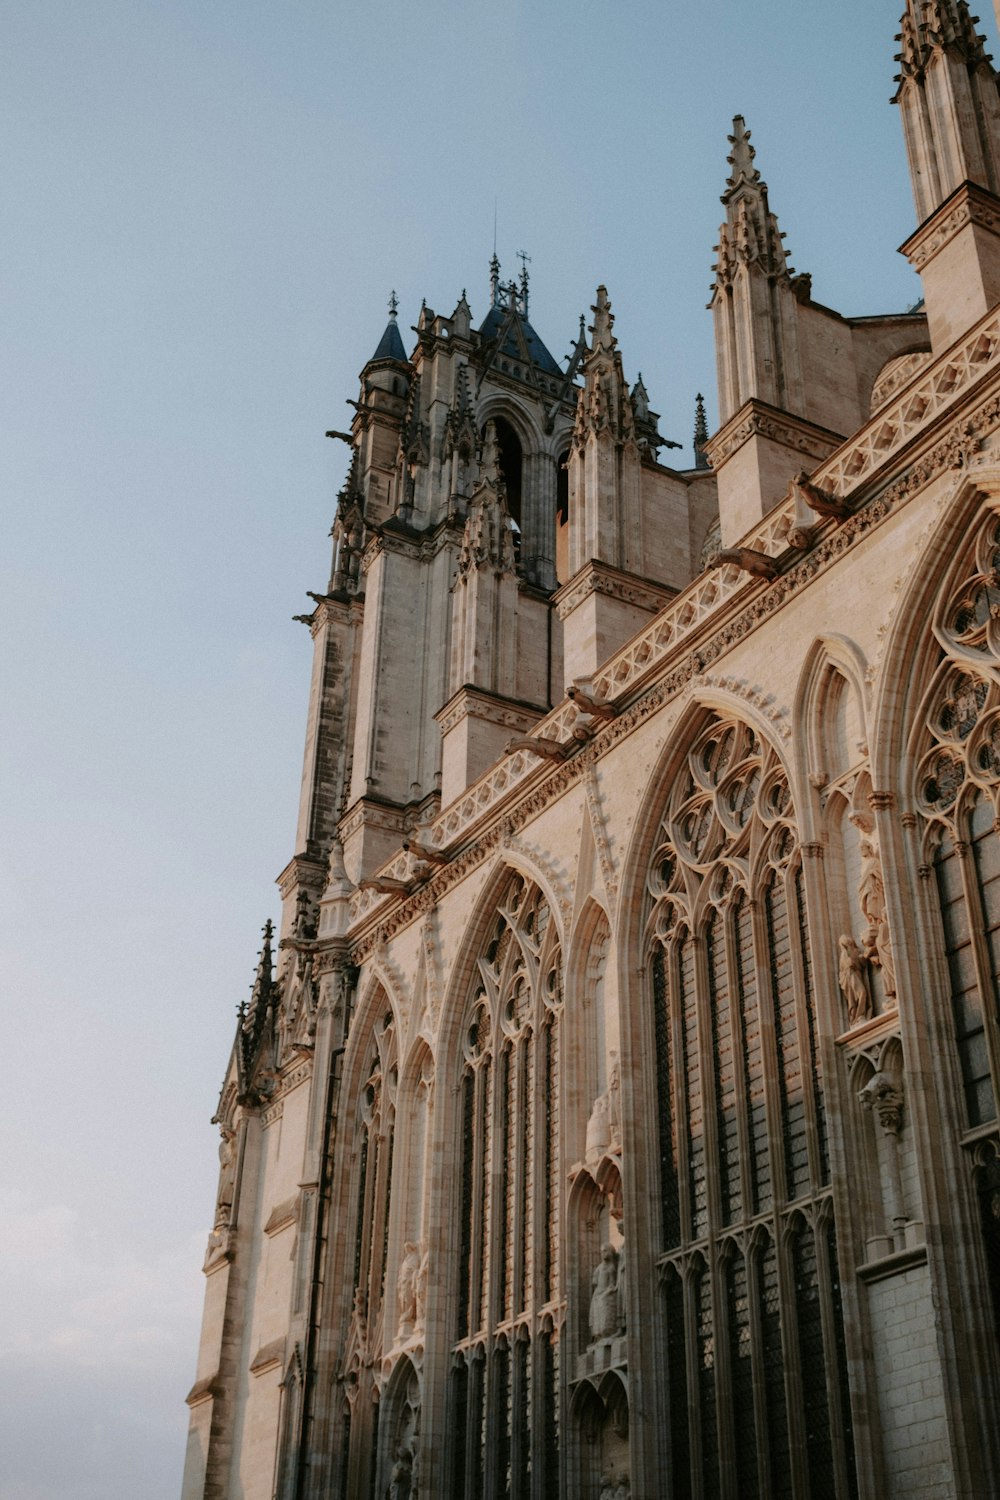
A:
[390,344]
[540,356]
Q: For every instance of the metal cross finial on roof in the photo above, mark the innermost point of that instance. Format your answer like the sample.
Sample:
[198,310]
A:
[525,260]
[393,304]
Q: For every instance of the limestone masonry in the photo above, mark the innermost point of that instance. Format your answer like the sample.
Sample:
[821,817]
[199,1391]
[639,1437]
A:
[615,1113]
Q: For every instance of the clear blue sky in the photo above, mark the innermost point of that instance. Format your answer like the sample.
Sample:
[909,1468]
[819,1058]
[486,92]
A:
[205,207]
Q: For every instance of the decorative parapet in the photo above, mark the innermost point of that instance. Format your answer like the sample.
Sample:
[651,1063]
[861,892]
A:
[716,594]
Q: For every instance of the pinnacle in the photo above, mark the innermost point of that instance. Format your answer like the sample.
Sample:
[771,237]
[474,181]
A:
[740,159]
[700,432]
[603,321]
[929,26]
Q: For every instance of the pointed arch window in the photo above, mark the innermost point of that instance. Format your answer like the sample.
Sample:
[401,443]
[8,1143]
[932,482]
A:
[505,1380]
[955,749]
[375,1142]
[744,1162]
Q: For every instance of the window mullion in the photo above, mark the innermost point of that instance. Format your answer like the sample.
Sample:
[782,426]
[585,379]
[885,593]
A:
[977,928]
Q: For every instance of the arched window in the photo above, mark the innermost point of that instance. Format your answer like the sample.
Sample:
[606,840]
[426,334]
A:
[374,1146]
[956,753]
[505,1362]
[744,1164]
[562,516]
[511,462]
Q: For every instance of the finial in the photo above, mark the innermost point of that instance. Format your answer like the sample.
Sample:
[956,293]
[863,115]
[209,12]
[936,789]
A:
[494,279]
[393,305]
[741,158]
[700,432]
[525,260]
[603,321]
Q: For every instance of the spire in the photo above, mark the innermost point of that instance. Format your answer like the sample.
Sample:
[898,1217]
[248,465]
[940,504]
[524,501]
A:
[754,293]
[390,345]
[947,94]
[750,235]
[700,433]
[604,404]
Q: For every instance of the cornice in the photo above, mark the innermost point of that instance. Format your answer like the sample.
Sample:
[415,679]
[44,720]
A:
[968,204]
[475,703]
[597,577]
[760,419]
[301,869]
[373,815]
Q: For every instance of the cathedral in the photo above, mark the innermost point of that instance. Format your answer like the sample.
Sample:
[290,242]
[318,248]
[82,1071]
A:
[615,1113]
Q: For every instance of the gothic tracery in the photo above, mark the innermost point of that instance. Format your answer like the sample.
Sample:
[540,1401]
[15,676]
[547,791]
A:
[744,1169]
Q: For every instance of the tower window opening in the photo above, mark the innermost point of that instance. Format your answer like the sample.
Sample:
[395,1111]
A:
[562,517]
[512,464]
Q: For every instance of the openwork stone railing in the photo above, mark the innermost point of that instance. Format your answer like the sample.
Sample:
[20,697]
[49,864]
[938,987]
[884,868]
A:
[935,388]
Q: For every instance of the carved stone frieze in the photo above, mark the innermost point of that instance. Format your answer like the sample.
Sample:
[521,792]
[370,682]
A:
[473,704]
[969,204]
[599,578]
[758,419]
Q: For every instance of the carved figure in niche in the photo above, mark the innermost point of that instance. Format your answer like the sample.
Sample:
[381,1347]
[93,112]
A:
[851,973]
[604,1322]
[875,943]
[615,1101]
[623,1491]
[227,1177]
[406,1287]
[607,1487]
[421,1292]
[598,1129]
[401,1478]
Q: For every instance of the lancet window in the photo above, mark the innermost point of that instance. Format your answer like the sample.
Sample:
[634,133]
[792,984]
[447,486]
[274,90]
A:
[505,1367]
[956,752]
[749,1263]
[375,1139]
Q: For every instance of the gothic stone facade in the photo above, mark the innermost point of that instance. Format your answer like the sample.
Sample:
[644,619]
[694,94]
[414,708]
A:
[616,1114]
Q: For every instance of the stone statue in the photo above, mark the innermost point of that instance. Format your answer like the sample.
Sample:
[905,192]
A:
[406,1287]
[227,1177]
[598,1129]
[604,1321]
[623,1491]
[851,972]
[607,1487]
[615,1101]
[401,1478]
[876,946]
